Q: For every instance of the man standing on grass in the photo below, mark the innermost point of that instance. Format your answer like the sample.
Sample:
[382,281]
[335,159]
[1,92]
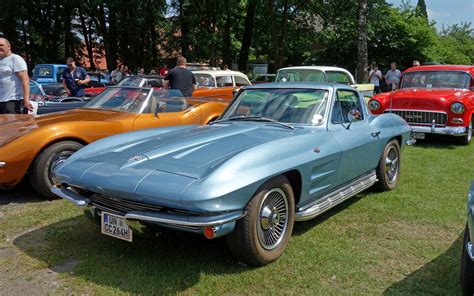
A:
[14,81]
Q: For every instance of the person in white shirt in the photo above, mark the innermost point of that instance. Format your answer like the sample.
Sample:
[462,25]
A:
[374,77]
[14,81]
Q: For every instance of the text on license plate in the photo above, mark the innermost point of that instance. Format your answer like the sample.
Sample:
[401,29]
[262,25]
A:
[115,226]
[418,136]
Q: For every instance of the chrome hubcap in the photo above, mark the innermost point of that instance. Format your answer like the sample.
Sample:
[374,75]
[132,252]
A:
[272,218]
[391,164]
[56,161]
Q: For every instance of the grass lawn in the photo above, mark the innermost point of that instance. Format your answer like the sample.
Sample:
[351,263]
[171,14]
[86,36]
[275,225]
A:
[407,241]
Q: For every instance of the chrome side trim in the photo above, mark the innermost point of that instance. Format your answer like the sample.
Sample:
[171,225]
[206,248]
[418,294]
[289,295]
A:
[448,130]
[70,196]
[334,198]
[470,250]
[179,220]
[2,164]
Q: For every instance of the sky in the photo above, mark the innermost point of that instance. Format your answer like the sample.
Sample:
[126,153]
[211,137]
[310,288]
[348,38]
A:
[447,12]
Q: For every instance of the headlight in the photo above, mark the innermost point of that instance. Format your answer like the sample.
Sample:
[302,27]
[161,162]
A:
[457,108]
[374,105]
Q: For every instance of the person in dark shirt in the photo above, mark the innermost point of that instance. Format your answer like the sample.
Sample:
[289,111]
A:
[180,78]
[75,79]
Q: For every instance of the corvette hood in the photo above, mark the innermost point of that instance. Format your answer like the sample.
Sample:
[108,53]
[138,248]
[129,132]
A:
[422,98]
[13,126]
[190,152]
[160,167]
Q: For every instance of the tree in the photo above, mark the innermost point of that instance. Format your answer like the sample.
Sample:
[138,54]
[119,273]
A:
[421,9]
[247,36]
[362,54]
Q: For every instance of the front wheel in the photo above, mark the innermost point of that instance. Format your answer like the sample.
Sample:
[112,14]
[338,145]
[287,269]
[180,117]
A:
[388,169]
[262,235]
[41,177]
[466,139]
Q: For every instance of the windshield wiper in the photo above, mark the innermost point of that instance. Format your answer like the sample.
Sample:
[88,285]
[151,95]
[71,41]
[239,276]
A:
[254,118]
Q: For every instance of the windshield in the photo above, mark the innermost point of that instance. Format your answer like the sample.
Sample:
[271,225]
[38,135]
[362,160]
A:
[436,79]
[131,81]
[204,80]
[43,71]
[126,99]
[304,106]
[290,75]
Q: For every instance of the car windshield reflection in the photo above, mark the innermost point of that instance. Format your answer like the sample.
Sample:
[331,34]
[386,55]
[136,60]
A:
[436,79]
[297,106]
[123,99]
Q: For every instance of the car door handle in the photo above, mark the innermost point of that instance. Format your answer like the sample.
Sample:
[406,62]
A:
[375,134]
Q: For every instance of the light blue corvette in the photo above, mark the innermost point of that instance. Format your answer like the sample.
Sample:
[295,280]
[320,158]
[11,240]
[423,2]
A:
[280,153]
[467,264]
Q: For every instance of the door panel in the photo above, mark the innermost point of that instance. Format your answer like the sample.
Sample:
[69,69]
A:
[358,143]
[187,117]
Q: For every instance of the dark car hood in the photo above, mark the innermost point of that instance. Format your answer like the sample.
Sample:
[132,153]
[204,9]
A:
[422,98]
[192,152]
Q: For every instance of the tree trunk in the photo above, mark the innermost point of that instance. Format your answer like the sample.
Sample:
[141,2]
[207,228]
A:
[226,42]
[107,35]
[362,55]
[247,37]
[184,30]
[273,30]
[87,41]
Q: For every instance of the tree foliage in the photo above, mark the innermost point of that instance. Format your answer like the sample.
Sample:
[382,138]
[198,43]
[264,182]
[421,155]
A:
[278,32]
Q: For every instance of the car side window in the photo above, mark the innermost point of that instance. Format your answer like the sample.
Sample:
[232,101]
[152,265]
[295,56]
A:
[223,81]
[239,81]
[346,101]
[338,77]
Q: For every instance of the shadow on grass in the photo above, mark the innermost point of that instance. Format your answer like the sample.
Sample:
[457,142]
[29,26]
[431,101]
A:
[165,265]
[301,227]
[434,278]
[439,142]
[21,193]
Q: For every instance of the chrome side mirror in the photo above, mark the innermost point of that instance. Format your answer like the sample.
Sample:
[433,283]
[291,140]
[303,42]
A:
[354,115]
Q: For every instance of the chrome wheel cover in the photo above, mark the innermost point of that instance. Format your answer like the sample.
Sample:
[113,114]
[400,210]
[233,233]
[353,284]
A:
[56,161]
[392,163]
[272,218]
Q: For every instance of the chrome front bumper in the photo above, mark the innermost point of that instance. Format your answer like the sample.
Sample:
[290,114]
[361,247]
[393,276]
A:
[470,250]
[448,130]
[173,220]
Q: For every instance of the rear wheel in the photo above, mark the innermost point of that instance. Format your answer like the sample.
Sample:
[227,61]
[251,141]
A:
[388,169]
[467,268]
[262,235]
[41,177]
[466,139]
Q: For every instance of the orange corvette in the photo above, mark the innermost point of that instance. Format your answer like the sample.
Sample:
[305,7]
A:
[38,145]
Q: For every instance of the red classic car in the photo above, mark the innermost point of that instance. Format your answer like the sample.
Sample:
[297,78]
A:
[436,99]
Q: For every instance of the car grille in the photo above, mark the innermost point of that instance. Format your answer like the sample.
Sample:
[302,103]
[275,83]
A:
[421,117]
[122,206]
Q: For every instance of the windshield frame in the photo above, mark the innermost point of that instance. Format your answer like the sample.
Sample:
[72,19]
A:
[142,107]
[327,107]
[451,71]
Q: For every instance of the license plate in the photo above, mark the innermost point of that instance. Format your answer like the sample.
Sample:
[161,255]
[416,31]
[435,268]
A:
[418,136]
[115,226]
